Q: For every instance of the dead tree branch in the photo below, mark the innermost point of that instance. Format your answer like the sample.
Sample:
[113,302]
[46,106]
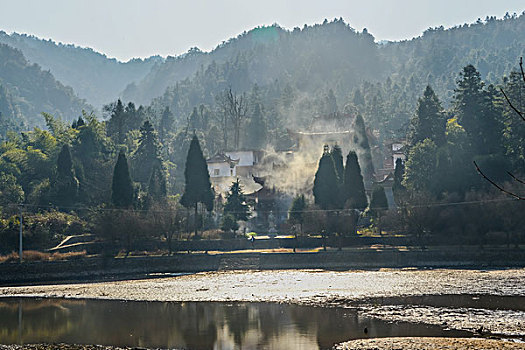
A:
[496,185]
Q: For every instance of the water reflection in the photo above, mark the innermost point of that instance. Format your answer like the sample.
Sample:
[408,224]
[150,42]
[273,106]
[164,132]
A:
[204,325]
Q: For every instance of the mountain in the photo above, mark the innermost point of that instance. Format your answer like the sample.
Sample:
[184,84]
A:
[322,55]
[383,80]
[26,91]
[93,76]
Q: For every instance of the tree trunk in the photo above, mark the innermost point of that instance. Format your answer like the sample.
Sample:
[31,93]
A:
[195,219]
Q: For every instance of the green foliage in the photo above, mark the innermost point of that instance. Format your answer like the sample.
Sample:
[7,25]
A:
[326,189]
[256,130]
[353,190]
[361,145]
[236,203]
[398,189]
[378,201]
[296,213]
[147,156]
[420,168]
[198,187]
[229,223]
[122,187]
[65,187]
[429,121]
[11,193]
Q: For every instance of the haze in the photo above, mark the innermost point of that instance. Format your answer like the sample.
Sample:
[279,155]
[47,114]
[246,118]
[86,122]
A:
[136,28]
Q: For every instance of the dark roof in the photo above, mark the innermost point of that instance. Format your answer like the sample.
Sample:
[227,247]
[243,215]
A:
[221,158]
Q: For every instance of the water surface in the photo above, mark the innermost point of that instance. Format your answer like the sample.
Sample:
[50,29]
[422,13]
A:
[193,325]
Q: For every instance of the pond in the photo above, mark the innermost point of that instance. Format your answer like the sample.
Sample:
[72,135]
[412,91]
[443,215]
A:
[194,325]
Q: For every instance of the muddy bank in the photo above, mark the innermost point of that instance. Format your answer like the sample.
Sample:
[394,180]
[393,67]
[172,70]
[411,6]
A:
[354,258]
[428,344]
[411,295]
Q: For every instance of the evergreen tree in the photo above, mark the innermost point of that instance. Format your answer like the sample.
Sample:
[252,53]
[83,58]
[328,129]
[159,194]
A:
[66,186]
[296,213]
[236,203]
[378,204]
[477,112]
[326,190]
[121,187]
[421,167]
[362,147]
[429,120]
[398,189]
[147,155]
[353,190]
[116,123]
[197,180]
[337,158]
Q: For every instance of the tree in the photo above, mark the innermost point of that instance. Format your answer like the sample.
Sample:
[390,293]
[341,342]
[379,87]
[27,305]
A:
[157,184]
[296,214]
[420,166]
[429,120]
[398,189]
[165,124]
[197,180]
[325,190]
[11,192]
[115,124]
[477,112]
[337,158]
[234,108]
[121,187]
[229,223]
[66,185]
[353,189]
[236,205]
[147,156]
[362,147]
[378,204]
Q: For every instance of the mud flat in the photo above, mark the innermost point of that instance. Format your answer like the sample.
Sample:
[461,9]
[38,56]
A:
[428,344]
[490,301]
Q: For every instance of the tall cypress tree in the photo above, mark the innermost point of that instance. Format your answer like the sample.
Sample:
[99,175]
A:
[66,186]
[397,188]
[115,124]
[236,203]
[326,187]
[429,122]
[122,187]
[157,183]
[353,189]
[362,147]
[197,180]
[337,157]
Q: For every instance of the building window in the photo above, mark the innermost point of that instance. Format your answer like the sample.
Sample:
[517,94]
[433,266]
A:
[216,172]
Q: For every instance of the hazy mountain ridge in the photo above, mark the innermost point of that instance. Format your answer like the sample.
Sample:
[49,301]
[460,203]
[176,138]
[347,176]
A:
[27,91]
[93,75]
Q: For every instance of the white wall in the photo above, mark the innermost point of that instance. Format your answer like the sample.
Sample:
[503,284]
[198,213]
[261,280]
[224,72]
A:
[223,170]
[246,158]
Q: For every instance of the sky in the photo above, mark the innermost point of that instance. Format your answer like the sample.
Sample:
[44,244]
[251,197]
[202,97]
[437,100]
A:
[126,29]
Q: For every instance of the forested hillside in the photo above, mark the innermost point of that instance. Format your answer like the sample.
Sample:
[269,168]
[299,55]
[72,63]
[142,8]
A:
[26,91]
[382,81]
[92,75]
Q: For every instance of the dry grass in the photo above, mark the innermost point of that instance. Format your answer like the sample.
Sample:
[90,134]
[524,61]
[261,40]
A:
[34,255]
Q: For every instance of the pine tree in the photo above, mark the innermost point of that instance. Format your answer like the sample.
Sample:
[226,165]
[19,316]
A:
[353,190]
[477,113]
[197,180]
[165,124]
[362,147]
[147,155]
[236,203]
[429,120]
[115,124]
[326,190]
[121,187]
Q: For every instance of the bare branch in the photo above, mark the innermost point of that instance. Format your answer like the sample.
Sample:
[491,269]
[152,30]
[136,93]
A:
[515,178]
[496,185]
[512,106]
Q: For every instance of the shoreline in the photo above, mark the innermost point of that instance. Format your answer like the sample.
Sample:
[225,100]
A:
[99,269]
